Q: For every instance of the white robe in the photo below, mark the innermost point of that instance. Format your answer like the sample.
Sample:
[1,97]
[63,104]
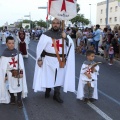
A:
[12,82]
[44,77]
[27,39]
[82,81]
[3,38]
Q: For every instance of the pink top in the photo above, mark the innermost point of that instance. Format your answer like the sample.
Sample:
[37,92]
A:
[111,51]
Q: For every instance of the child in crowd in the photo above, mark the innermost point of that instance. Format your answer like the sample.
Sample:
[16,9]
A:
[12,72]
[87,88]
[111,54]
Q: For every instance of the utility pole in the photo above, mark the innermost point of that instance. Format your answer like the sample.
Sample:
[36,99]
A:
[90,14]
[47,12]
[107,10]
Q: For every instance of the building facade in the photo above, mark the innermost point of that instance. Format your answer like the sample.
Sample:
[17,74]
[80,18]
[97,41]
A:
[113,13]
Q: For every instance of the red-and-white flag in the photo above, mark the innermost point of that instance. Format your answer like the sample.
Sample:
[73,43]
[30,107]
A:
[62,9]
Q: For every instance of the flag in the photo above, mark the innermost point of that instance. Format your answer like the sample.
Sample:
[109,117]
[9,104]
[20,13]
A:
[62,9]
[119,3]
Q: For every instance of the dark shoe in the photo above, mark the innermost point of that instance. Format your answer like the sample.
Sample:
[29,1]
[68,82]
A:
[20,104]
[47,93]
[58,99]
[91,100]
[12,101]
[86,100]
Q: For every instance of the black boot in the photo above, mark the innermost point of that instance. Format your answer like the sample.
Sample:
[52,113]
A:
[47,93]
[86,100]
[12,99]
[57,97]
[20,104]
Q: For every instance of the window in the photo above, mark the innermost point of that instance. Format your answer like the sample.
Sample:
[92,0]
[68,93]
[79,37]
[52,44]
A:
[100,20]
[105,20]
[110,20]
[111,9]
[116,8]
[115,19]
[101,11]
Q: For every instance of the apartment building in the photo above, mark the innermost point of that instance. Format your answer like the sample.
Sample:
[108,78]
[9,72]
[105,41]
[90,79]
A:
[113,13]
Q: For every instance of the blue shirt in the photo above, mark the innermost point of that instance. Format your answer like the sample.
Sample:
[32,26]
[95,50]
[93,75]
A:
[97,34]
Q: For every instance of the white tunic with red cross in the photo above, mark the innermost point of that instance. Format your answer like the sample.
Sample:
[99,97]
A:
[45,76]
[51,64]
[83,79]
[7,64]
[13,82]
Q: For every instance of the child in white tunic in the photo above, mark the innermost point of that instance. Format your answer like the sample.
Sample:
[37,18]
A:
[87,88]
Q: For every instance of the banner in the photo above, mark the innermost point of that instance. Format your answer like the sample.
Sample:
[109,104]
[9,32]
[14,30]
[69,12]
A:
[62,9]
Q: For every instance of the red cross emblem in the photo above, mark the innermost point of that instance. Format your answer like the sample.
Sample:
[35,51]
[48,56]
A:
[64,4]
[57,45]
[13,62]
[89,71]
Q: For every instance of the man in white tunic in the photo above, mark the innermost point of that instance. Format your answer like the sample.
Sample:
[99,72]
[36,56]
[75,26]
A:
[10,71]
[48,73]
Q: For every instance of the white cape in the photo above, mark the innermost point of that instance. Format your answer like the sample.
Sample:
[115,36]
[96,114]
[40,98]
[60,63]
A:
[69,78]
[3,38]
[4,95]
[80,92]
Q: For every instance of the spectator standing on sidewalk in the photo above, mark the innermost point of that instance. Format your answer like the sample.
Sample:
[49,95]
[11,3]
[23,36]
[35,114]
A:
[97,34]
[111,54]
[108,42]
[119,41]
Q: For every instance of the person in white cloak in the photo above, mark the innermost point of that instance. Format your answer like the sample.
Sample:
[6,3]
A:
[9,75]
[48,74]
[87,87]
[27,39]
[3,37]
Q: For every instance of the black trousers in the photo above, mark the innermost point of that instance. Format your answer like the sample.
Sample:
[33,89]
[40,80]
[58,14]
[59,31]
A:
[18,96]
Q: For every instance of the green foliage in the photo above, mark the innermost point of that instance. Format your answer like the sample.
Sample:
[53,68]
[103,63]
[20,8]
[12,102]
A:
[42,23]
[27,26]
[1,28]
[80,18]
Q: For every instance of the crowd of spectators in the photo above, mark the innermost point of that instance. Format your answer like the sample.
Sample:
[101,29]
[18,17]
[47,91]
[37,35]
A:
[104,42]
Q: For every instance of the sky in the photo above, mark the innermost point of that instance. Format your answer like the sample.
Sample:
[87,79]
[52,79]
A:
[14,10]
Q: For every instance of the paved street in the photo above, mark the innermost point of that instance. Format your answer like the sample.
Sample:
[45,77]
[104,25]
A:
[36,107]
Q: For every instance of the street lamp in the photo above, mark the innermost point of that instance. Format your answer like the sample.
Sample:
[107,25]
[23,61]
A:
[90,14]
[29,19]
[47,12]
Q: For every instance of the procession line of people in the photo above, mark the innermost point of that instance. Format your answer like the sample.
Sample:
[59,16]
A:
[55,68]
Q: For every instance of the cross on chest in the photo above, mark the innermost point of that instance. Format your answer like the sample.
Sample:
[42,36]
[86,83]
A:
[89,71]
[58,45]
[13,62]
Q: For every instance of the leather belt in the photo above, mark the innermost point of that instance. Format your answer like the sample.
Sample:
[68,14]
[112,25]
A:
[53,55]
